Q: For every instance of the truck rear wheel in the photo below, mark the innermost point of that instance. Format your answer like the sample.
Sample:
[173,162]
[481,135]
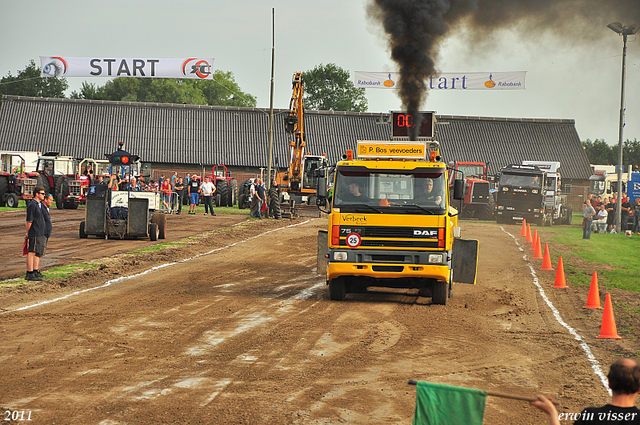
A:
[222,197]
[242,199]
[486,211]
[12,200]
[153,232]
[233,191]
[569,216]
[274,204]
[440,293]
[43,182]
[337,289]
[4,187]
[161,221]
[82,232]
[59,201]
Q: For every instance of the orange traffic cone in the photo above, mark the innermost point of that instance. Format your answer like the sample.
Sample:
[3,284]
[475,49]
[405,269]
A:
[593,301]
[537,253]
[608,328]
[535,238]
[560,280]
[529,238]
[546,261]
[523,232]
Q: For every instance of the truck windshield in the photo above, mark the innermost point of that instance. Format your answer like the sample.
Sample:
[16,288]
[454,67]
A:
[472,171]
[423,189]
[517,180]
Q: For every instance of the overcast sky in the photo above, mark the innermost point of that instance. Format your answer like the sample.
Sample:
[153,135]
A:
[568,81]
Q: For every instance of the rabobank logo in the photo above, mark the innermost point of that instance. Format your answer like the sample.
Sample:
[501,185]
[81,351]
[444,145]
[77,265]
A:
[389,82]
[490,83]
[199,67]
[56,67]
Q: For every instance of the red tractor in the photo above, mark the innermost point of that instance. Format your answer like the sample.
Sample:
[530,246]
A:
[478,200]
[54,172]
[74,191]
[16,185]
[226,187]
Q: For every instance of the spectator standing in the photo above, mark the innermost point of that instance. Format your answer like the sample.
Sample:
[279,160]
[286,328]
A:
[255,200]
[587,219]
[611,218]
[625,207]
[35,235]
[173,178]
[46,206]
[153,186]
[261,197]
[636,216]
[178,187]
[165,191]
[208,189]
[602,219]
[185,183]
[194,188]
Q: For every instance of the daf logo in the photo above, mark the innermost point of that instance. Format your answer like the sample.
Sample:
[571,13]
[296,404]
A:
[429,233]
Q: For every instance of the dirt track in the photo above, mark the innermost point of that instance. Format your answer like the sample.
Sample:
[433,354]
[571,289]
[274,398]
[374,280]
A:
[65,246]
[246,334]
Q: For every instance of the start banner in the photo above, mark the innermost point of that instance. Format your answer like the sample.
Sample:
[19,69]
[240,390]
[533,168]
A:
[447,80]
[58,66]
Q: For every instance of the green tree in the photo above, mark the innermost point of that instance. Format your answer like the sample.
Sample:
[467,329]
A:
[630,153]
[600,152]
[329,88]
[221,91]
[28,82]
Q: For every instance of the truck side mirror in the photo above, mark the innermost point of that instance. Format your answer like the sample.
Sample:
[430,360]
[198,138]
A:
[458,189]
[322,187]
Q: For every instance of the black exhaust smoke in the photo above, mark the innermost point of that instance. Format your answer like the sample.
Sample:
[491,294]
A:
[417,27]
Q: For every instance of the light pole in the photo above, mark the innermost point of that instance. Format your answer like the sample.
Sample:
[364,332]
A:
[624,31]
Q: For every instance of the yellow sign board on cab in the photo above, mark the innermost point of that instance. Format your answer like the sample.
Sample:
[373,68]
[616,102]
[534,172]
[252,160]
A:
[376,149]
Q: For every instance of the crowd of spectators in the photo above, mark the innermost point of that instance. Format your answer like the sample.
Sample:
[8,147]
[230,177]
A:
[606,209]
[174,191]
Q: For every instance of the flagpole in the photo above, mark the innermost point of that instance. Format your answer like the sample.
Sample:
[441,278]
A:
[497,394]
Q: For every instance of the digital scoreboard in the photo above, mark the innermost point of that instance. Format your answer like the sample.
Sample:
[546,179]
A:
[402,122]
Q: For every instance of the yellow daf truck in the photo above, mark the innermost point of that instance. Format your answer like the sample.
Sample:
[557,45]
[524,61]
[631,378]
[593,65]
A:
[391,223]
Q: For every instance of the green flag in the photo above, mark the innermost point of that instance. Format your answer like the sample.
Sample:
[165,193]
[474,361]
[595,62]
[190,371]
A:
[438,404]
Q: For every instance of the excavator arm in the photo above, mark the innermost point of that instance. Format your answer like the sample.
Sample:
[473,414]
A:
[294,126]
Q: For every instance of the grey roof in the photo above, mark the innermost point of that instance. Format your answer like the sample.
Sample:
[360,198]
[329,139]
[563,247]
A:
[238,137]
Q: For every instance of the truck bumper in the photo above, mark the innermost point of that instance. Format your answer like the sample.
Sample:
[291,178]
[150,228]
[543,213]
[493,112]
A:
[388,271]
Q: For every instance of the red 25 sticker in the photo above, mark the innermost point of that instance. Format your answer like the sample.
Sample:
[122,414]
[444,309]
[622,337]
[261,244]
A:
[353,240]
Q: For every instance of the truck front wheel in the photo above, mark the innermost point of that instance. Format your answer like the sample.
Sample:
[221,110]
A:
[337,289]
[440,293]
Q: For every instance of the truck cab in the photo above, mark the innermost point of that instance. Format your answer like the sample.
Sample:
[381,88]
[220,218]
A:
[391,223]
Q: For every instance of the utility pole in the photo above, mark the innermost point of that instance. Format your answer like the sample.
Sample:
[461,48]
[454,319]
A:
[624,31]
[273,54]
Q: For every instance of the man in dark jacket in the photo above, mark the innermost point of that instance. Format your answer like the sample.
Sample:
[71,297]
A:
[35,236]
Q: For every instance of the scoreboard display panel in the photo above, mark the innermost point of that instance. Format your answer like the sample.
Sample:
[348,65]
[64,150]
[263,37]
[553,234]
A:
[402,122]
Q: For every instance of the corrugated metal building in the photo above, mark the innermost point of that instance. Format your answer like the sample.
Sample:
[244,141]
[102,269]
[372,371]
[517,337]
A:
[180,137]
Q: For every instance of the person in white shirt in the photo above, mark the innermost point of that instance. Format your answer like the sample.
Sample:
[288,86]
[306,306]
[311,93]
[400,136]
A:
[208,189]
[602,219]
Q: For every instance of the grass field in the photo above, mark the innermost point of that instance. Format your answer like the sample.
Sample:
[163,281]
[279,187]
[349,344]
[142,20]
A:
[615,257]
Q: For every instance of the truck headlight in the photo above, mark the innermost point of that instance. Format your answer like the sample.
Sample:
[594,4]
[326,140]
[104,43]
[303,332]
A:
[340,256]
[437,258]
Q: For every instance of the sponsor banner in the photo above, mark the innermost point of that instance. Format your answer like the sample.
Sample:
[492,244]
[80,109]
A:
[370,149]
[447,80]
[58,66]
